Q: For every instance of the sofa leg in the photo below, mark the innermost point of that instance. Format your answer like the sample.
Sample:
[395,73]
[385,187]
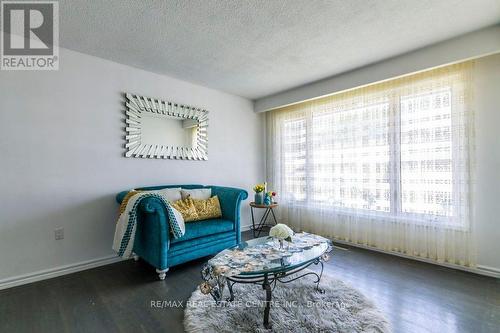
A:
[136,257]
[162,273]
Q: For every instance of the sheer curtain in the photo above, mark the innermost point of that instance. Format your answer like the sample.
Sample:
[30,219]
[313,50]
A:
[387,166]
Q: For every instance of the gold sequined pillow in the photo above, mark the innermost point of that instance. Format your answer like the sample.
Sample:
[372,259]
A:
[207,209]
[187,209]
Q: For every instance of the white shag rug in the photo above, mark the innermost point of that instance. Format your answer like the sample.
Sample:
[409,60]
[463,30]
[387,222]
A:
[296,307]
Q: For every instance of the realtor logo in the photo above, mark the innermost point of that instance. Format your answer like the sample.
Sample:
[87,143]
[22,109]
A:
[30,35]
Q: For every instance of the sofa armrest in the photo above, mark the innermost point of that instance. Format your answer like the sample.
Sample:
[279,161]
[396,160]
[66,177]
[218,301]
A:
[120,196]
[230,199]
[156,206]
[154,230]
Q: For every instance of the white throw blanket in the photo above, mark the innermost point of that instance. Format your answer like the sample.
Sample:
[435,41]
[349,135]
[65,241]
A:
[123,242]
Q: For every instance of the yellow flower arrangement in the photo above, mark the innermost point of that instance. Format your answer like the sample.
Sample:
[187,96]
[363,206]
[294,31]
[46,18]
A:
[258,188]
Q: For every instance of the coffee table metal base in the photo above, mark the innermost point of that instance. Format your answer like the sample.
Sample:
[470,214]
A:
[268,281]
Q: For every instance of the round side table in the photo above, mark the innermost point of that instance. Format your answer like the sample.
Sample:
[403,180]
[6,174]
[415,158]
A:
[257,229]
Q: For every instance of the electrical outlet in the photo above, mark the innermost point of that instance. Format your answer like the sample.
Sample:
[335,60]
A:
[59,233]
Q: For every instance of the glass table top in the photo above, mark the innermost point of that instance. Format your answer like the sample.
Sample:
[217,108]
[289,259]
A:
[264,255]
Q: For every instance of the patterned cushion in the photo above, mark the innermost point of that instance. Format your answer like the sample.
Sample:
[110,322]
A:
[207,209]
[187,209]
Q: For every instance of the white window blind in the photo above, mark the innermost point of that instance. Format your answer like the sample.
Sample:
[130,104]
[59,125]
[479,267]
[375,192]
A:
[398,152]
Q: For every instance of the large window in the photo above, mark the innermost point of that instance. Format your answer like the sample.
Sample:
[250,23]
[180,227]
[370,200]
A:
[397,150]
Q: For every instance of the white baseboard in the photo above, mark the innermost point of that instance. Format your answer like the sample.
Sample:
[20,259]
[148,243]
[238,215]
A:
[482,270]
[57,271]
[491,270]
[67,269]
[88,264]
[246,227]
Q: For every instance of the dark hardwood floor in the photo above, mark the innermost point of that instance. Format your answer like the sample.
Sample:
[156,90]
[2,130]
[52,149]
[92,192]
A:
[415,296]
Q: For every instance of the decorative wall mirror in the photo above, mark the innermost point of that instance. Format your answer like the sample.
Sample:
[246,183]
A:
[161,129]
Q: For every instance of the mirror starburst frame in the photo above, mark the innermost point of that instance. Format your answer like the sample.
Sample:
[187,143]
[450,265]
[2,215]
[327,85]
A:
[138,107]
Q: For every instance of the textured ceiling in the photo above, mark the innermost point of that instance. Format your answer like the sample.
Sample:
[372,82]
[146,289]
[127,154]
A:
[261,47]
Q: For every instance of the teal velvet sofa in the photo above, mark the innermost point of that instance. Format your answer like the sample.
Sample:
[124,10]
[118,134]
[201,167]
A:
[154,243]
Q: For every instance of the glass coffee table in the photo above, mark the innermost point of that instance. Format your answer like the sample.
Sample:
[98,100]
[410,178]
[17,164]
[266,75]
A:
[265,261]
